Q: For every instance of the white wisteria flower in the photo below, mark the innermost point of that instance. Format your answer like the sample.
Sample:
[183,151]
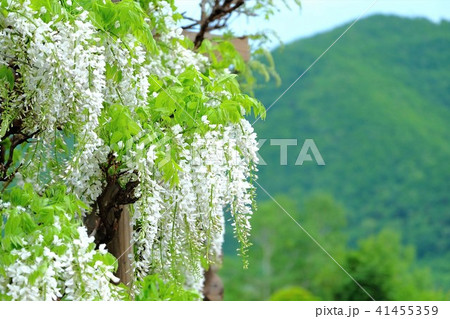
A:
[118,101]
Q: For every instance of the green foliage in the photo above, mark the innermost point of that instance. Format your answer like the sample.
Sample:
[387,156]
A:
[117,125]
[7,77]
[7,81]
[222,53]
[36,233]
[121,19]
[385,269]
[183,102]
[107,101]
[17,227]
[261,64]
[152,288]
[377,108]
[269,7]
[293,294]
[116,19]
[284,256]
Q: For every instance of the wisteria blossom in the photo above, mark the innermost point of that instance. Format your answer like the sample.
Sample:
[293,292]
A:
[129,102]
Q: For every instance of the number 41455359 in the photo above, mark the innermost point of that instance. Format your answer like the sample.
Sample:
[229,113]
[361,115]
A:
[408,310]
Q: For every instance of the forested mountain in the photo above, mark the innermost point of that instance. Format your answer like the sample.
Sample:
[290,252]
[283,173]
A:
[378,108]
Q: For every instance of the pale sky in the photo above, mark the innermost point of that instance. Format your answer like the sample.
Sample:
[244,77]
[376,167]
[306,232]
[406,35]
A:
[317,16]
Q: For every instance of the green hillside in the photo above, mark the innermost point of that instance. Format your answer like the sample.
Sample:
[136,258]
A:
[378,108]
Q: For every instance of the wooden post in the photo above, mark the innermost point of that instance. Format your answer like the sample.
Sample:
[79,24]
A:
[121,247]
[213,287]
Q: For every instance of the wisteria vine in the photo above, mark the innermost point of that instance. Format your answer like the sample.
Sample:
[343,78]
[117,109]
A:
[101,98]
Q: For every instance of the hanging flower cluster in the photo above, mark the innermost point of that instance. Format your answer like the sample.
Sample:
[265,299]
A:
[50,256]
[179,227]
[94,82]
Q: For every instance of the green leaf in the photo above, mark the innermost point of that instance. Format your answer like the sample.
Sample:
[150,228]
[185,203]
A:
[7,76]
[116,137]
[226,78]
[164,104]
[113,73]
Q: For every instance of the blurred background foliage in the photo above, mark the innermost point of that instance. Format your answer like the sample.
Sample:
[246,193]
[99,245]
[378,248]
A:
[285,264]
[378,108]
